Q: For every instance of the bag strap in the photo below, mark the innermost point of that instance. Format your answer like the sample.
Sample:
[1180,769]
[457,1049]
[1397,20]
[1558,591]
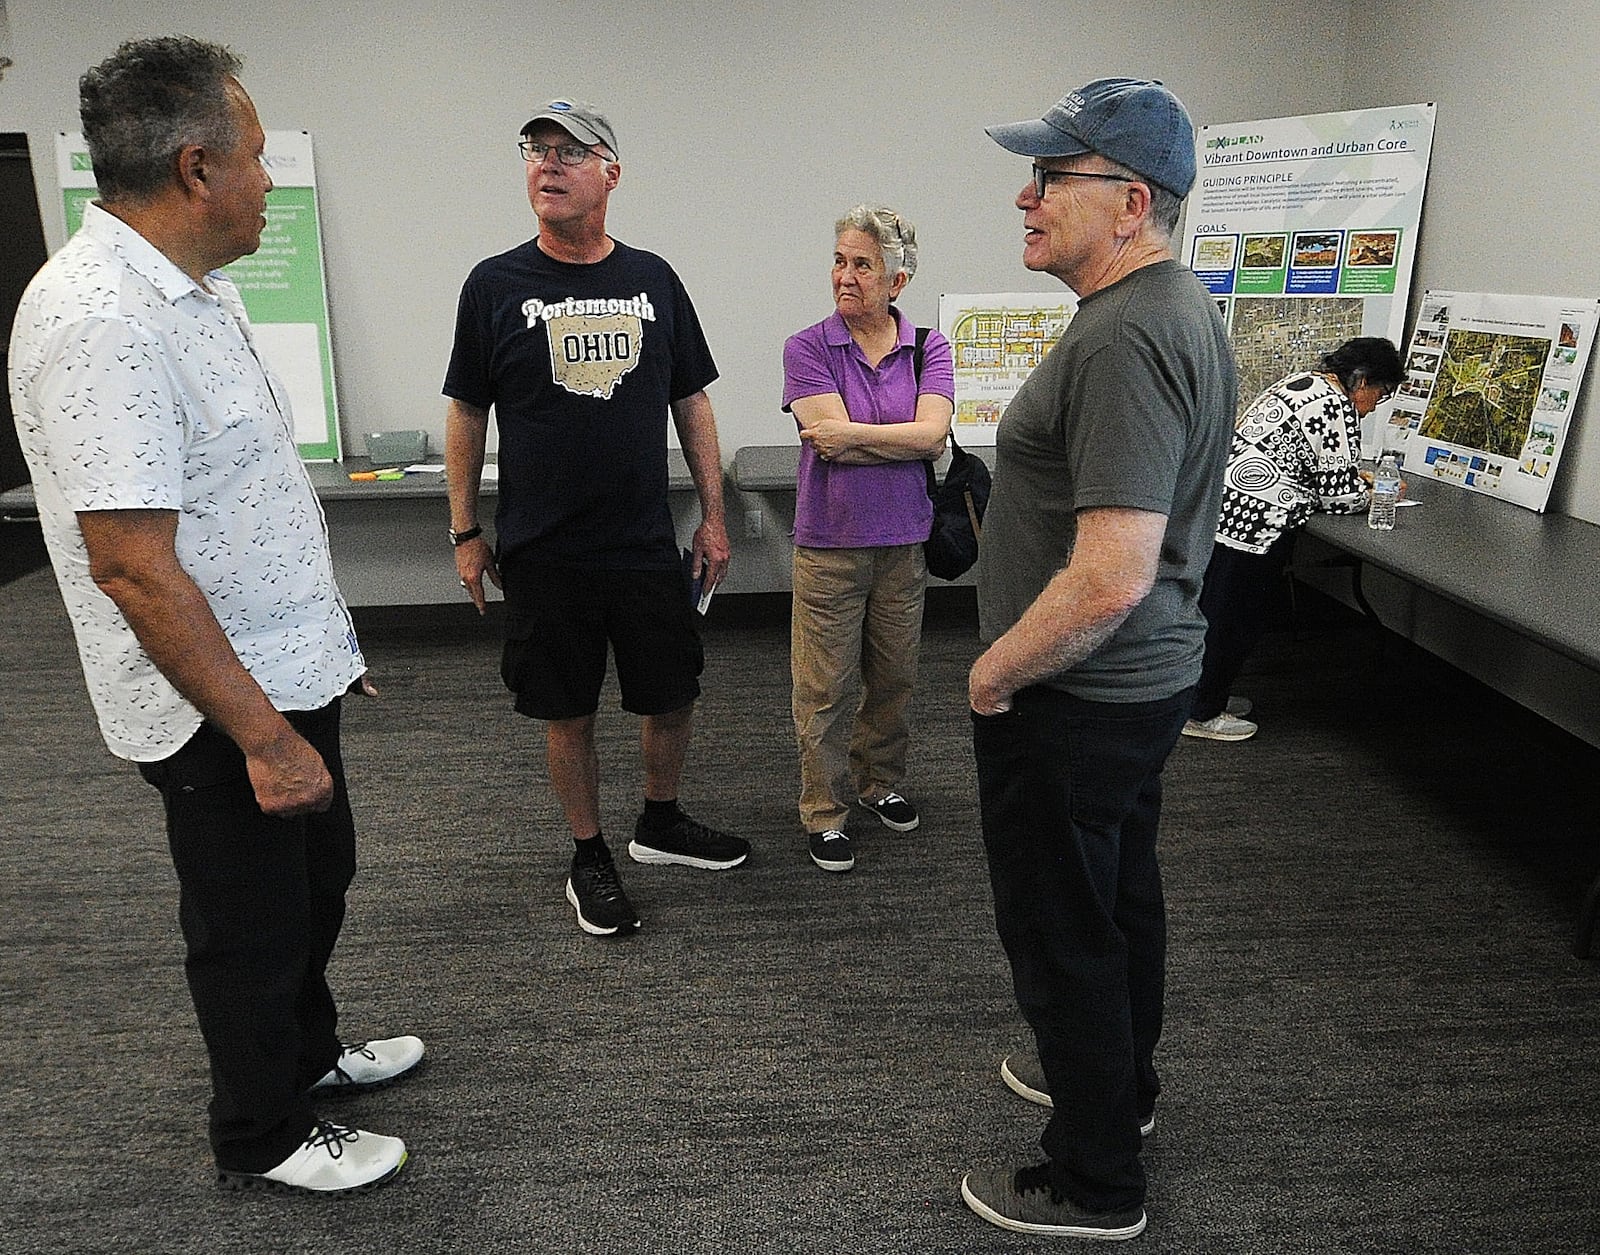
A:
[916,374]
[916,369]
[972,515]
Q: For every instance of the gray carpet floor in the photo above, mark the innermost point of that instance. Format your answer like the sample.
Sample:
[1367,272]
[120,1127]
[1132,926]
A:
[1377,1040]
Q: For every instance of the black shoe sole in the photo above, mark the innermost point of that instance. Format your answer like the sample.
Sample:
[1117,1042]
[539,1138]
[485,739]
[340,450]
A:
[250,1182]
[352,1088]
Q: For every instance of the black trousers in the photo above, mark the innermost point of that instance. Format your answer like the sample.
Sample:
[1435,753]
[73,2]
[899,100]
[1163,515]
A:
[261,902]
[1236,599]
[1070,796]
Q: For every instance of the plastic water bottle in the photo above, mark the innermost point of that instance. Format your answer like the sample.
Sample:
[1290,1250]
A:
[1385,493]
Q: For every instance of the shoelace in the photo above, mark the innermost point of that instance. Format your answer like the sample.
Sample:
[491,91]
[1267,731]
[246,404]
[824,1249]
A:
[888,799]
[604,879]
[354,1048]
[331,1137]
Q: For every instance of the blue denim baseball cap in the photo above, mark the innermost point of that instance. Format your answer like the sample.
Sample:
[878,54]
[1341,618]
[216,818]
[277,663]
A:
[1135,122]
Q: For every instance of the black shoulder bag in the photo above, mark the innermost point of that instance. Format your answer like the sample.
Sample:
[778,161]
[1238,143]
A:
[958,503]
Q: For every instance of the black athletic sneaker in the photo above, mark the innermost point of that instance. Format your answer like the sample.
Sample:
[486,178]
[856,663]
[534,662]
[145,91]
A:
[1025,1202]
[596,894]
[688,842]
[894,810]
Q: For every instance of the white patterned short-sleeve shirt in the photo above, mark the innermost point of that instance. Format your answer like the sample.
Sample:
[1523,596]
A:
[136,388]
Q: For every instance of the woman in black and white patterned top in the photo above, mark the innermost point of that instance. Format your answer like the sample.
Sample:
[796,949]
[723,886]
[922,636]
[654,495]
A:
[1295,450]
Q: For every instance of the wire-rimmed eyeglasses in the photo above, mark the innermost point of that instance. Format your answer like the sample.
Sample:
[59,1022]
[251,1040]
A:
[534,152]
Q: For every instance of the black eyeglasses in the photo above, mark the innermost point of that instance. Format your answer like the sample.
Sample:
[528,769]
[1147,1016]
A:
[1042,178]
[568,154]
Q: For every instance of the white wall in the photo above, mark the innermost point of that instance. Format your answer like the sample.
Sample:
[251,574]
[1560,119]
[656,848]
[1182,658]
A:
[1514,177]
[745,129]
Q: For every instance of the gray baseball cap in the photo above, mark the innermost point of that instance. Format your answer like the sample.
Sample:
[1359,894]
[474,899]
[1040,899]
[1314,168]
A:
[1135,122]
[579,119]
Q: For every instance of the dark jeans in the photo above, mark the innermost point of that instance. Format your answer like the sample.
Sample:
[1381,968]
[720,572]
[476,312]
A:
[260,901]
[1236,599]
[1070,795]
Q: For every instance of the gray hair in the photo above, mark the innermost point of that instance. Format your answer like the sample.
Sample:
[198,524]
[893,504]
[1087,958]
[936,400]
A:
[897,238]
[1165,206]
[147,101]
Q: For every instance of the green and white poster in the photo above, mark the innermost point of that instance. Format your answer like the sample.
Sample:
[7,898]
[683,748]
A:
[282,283]
[1305,229]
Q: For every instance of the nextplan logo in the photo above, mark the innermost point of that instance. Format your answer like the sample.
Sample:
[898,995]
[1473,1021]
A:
[1233,141]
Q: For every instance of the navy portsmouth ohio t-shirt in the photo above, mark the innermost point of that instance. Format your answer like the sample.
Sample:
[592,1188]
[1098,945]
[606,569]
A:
[579,364]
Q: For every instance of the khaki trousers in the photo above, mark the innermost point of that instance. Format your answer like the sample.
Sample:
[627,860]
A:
[855,632]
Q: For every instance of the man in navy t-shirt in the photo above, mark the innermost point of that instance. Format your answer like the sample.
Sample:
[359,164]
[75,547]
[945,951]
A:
[582,346]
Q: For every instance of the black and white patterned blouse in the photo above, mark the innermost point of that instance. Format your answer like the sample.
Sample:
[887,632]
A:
[136,388]
[1295,450]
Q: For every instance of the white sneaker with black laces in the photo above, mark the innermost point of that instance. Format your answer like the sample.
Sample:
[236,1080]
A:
[366,1065]
[332,1160]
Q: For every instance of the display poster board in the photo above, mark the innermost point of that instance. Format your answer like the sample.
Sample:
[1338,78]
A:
[1305,230]
[282,283]
[1489,389]
[996,341]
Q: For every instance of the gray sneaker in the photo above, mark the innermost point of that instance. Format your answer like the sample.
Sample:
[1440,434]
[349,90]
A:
[1023,1075]
[1223,727]
[1024,1201]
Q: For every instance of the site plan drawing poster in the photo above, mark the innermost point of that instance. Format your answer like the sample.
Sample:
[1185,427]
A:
[282,283]
[1305,229]
[1489,389]
[996,341]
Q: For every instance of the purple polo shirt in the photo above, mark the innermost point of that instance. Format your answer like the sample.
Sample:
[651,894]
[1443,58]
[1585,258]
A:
[851,507]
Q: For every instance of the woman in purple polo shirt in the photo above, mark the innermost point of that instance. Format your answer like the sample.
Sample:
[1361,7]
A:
[869,417]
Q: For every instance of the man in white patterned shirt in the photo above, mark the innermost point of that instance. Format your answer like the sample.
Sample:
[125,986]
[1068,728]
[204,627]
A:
[193,559]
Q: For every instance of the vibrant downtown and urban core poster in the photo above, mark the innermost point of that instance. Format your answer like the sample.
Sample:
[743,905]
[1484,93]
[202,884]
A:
[996,341]
[282,283]
[1304,230]
[1489,389]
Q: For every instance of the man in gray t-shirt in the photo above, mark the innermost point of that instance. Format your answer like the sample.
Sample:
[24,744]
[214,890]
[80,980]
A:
[1107,480]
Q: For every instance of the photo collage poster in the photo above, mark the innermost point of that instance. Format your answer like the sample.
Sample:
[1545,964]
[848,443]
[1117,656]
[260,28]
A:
[1490,383]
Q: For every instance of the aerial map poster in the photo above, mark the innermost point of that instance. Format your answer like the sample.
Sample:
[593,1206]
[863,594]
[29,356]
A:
[281,283]
[996,340]
[1489,388]
[1305,229]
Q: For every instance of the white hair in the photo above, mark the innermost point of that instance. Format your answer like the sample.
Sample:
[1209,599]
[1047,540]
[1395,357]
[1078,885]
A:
[897,238]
